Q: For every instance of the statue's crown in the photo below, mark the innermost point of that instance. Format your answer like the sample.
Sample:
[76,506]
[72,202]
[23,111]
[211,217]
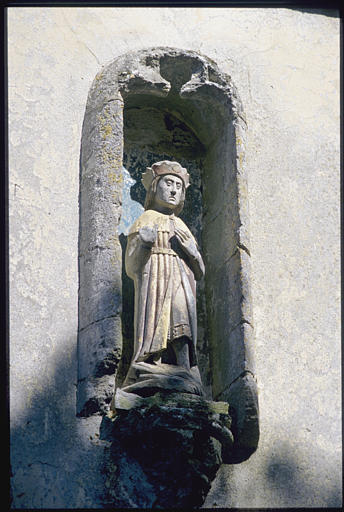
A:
[162,168]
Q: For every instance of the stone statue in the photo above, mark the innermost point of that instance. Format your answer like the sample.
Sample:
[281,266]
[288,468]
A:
[160,416]
[164,262]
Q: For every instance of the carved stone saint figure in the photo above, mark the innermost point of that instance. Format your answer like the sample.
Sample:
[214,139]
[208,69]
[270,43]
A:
[164,262]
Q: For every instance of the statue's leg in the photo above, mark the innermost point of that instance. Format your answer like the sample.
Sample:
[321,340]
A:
[181,350]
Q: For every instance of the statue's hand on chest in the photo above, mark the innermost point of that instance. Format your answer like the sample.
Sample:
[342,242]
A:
[186,242]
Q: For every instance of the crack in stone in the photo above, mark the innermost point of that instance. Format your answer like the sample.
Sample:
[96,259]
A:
[44,464]
[242,322]
[244,248]
[97,321]
[242,374]
[238,247]
[82,42]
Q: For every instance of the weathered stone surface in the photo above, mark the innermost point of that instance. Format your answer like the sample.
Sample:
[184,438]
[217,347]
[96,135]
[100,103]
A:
[98,362]
[99,340]
[174,443]
[126,401]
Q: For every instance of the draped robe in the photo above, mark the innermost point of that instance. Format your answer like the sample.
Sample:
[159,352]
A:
[165,288]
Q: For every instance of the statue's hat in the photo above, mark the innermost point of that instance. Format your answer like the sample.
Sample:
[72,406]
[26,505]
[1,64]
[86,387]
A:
[162,168]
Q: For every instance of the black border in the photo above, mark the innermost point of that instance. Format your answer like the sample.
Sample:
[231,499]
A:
[314,6]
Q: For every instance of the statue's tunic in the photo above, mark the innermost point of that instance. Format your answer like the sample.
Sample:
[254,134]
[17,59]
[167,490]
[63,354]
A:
[165,288]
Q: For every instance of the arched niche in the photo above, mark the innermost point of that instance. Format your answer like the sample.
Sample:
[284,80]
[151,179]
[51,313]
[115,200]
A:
[164,103]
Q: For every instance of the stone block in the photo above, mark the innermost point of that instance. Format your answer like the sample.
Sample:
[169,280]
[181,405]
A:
[229,292]
[99,352]
[232,357]
[99,298]
[242,397]
[98,343]
[221,226]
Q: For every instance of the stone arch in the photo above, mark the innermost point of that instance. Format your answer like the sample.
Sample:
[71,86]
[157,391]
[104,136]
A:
[170,103]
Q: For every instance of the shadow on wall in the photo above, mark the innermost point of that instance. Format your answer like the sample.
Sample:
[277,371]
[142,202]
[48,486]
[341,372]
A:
[280,482]
[56,458]
[290,483]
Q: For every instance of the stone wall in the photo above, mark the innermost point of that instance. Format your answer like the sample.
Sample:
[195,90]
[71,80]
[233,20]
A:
[285,66]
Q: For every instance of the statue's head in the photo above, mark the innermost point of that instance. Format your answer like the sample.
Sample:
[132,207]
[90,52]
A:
[166,183]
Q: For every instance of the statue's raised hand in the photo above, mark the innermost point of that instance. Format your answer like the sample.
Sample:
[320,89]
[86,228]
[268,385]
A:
[148,235]
[186,242]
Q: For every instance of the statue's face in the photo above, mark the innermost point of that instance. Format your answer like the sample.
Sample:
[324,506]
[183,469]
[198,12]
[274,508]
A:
[169,192]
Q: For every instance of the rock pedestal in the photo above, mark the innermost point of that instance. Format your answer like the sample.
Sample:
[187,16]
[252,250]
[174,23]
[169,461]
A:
[167,447]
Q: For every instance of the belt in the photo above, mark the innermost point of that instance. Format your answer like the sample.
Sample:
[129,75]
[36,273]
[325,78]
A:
[179,330]
[163,250]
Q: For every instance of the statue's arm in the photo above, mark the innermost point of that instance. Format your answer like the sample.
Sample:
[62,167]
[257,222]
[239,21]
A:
[197,265]
[189,246]
[139,249]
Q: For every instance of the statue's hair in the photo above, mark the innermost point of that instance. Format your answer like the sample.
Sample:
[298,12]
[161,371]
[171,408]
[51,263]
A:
[149,201]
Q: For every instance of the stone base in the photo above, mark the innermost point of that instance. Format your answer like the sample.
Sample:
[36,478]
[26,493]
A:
[176,442]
